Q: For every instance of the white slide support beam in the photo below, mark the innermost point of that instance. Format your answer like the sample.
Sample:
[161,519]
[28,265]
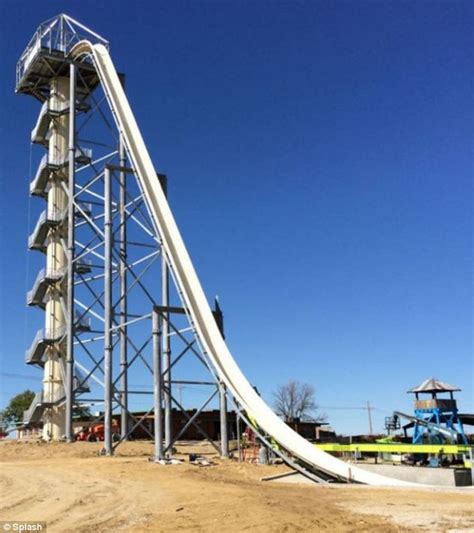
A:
[203,320]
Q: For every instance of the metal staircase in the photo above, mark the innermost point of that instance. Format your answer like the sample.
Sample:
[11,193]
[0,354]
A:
[34,413]
[45,278]
[40,133]
[80,383]
[48,219]
[43,339]
[39,184]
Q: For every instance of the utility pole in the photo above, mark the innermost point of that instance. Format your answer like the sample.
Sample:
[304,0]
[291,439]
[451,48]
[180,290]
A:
[369,412]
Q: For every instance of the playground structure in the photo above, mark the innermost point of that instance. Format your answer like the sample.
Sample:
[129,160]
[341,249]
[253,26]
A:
[438,434]
[106,227]
[436,419]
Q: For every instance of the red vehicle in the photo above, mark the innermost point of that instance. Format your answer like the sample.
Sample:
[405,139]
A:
[95,432]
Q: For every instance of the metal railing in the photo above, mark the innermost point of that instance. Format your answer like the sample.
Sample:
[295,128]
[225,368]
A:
[82,323]
[42,122]
[48,216]
[32,349]
[58,34]
[37,400]
[81,155]
[39,279]
[83,207]
[83,266]
[43,162]
[39,182]
[34,188]
[44,336]
[81,384]
[44,275]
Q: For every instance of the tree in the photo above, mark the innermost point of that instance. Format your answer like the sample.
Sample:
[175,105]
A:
[295,400]
[3,425]
[13,412]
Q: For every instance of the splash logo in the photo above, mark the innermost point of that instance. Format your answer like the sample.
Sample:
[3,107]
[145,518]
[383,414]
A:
[22,526]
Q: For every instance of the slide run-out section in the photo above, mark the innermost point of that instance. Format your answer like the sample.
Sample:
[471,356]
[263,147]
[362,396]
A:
[193,294]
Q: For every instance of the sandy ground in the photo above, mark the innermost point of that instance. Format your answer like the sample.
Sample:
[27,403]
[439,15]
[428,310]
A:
[73,489]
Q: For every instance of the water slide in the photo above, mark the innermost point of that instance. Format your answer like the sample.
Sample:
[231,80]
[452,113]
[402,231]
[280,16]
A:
[450,433]
[193,295]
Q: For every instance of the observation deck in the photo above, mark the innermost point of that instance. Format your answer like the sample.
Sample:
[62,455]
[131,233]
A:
[47,57]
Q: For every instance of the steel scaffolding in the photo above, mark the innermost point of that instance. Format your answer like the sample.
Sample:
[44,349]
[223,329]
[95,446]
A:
[107,289]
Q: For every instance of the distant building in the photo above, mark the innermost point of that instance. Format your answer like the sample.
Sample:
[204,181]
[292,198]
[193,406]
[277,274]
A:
[208,421]
[312,430]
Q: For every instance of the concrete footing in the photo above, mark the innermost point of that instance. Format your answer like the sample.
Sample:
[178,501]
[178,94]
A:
[442,477]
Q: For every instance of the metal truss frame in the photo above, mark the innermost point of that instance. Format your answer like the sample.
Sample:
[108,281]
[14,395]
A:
[109,228]
[112,247]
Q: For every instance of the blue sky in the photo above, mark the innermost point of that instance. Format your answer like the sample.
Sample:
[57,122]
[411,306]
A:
[320,163]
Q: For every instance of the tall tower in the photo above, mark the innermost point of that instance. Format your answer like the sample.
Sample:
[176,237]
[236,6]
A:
[56,262]
[45,72]
[112,318]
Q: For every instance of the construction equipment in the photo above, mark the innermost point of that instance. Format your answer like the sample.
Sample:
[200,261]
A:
[96,432]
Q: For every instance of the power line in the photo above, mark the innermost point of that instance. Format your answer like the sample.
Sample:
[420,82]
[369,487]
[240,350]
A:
[342,408]
[352,408]
[20,376]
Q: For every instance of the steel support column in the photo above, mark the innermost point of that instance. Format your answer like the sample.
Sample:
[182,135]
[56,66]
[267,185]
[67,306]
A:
[157,324]
[108,346]
[124,419]
[165,297]
[69,389]
[223,409]
[237,421]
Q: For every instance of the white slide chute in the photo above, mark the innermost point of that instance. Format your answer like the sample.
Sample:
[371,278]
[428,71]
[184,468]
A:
[193,294]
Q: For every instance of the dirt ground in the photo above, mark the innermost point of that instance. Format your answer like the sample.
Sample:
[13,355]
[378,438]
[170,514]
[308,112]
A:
[71,488]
